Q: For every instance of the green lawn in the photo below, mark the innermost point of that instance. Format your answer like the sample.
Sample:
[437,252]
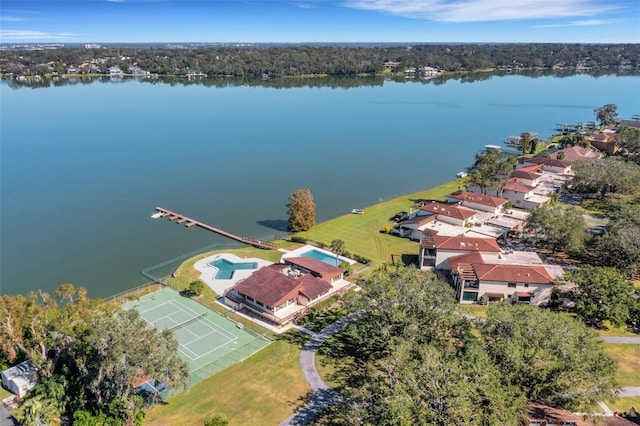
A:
[610,330]
[628,358]
[364,234]
[264,389]
[622,405]
[4,393]
[479,311]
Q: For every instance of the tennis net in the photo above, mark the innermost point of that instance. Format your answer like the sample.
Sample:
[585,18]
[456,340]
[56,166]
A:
[189,321]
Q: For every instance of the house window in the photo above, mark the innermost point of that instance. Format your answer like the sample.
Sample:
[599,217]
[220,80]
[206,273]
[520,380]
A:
[526,285]
[511,285]
[471,296]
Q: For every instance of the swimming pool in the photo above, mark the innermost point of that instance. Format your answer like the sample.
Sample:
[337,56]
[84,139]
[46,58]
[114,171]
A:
[329,258]
[226,268]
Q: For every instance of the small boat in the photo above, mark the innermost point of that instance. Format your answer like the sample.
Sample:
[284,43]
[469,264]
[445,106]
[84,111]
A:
[156,215]
[492,147]
[356,211]
[461,174]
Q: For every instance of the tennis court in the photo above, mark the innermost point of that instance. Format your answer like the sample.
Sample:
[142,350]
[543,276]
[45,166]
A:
[208,341]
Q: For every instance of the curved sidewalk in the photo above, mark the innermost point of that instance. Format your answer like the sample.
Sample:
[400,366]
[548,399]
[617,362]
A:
[321,395]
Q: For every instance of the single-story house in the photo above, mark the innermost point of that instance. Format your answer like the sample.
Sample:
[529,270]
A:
[278,292]
[472,200]
[476,281]
[413,227]
[437,249]
[317,268]
[448,213]
[20,378]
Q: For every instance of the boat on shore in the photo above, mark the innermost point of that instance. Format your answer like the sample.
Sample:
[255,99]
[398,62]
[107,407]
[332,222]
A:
[461,175]
[356,211]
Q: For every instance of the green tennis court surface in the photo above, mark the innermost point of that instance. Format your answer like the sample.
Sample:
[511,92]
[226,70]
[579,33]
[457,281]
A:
[208,341]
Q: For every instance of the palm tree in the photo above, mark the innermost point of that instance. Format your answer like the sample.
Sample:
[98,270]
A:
[38,411]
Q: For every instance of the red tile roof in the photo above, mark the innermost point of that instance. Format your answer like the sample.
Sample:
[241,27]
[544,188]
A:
[513,185]
[575,153]
[314,265]
[547,161]
[269,286]
[420,220]
[513,274]
[466,243]
[313,287]
[462,259]
[448,210]
[536,168]
[472,197]
[523,174]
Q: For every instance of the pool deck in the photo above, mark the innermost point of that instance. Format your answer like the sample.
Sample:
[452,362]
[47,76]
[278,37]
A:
[208,272]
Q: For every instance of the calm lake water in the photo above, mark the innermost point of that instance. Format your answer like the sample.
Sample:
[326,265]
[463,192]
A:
[84,165]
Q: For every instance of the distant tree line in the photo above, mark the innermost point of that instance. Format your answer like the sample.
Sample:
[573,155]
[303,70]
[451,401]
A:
[279,61]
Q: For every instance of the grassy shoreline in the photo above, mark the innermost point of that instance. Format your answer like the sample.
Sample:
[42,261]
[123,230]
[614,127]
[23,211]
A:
[252,391]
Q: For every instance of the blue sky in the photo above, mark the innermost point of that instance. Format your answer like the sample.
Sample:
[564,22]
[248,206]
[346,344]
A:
[305,21]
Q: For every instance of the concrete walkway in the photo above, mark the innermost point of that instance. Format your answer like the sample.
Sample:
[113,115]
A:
[630,391]
[620,339]
[321,395]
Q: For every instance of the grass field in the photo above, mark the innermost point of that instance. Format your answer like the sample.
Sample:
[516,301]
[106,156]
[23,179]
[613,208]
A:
[622,405]
[362,233]
[265,389]
[628,357]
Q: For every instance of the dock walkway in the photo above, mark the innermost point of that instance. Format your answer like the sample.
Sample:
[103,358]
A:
[188,222]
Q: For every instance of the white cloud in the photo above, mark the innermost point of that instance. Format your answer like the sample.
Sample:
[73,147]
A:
[10,19]
[304,5]
[583,23]
[25,35]
[482,10]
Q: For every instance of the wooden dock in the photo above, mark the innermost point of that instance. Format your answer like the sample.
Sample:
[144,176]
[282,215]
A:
[188,222]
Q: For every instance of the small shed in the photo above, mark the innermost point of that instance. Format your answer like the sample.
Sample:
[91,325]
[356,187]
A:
[20,378]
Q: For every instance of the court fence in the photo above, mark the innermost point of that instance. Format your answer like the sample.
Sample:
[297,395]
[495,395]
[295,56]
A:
[136,292]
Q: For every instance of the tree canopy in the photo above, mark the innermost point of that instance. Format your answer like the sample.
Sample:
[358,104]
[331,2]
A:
[417,362]
[602,294]
[628,140]
[299,60]
[556,228]
[490,169]
[89,354]
[619,245]
[302,210]
[413,359]
[607,114]
[549,356]
[606,175]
